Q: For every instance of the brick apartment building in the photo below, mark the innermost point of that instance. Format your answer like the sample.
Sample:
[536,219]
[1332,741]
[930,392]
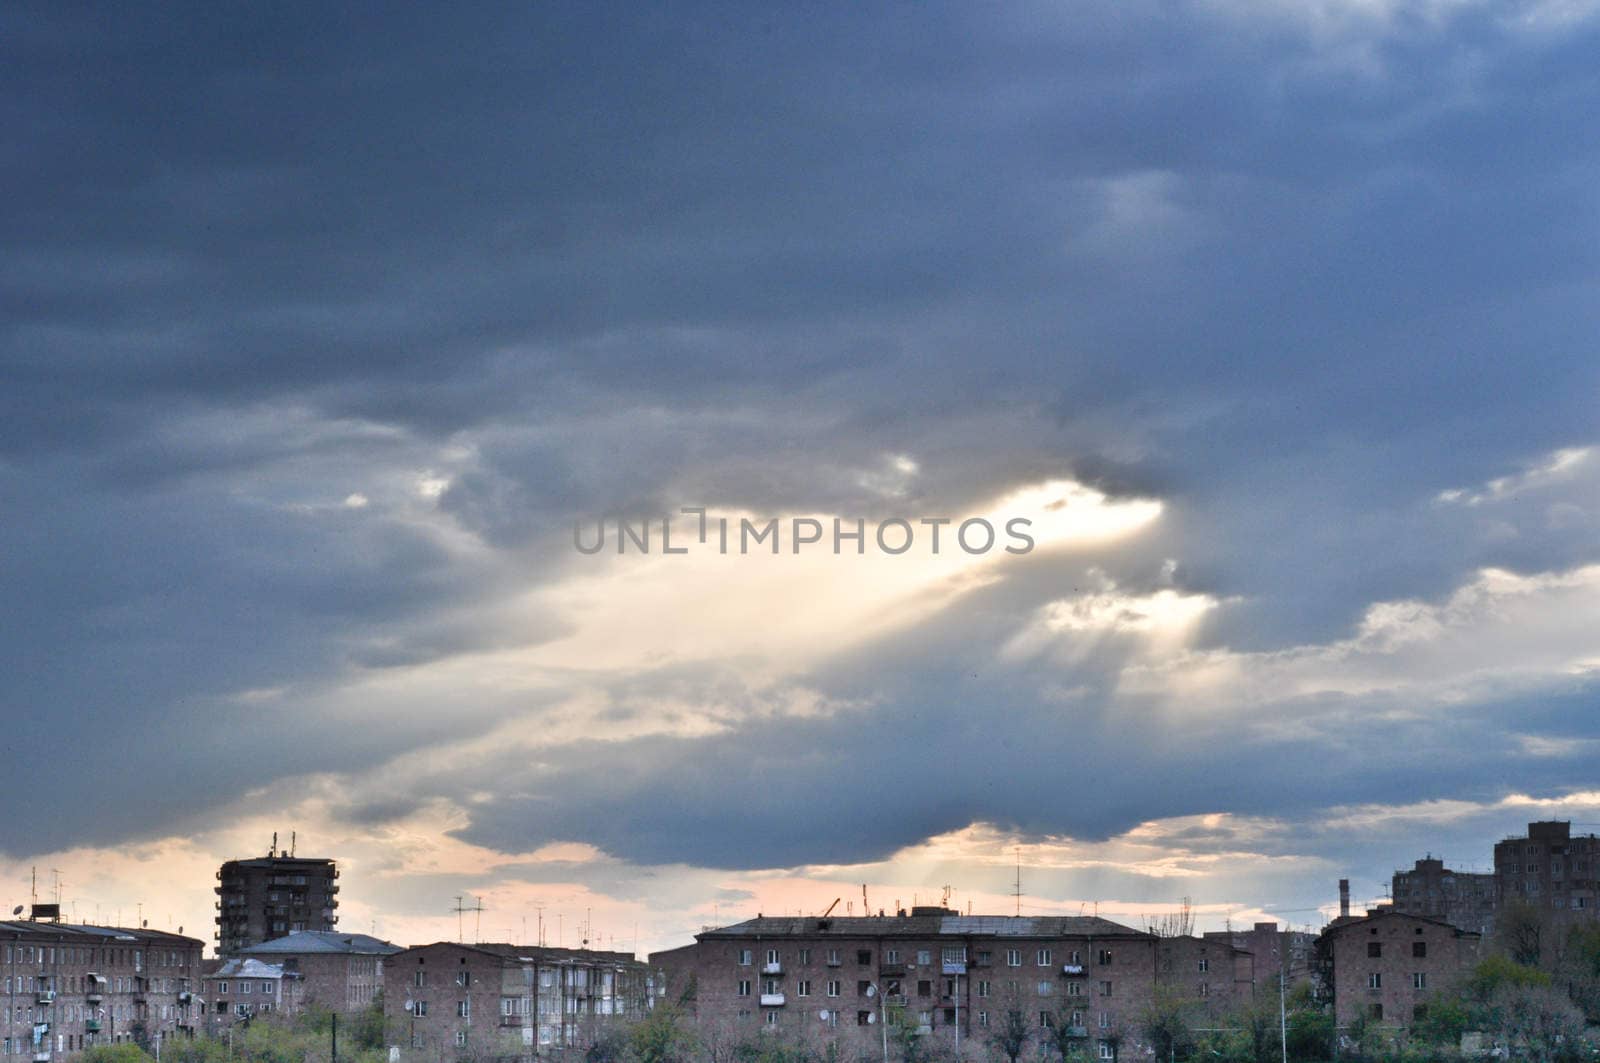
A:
[274,895]
[1270,950]
[66,987]
[1387,964]
[1551,868]
[939,974]
[507,1002]
[1461,898]
[341,972]
[242,988]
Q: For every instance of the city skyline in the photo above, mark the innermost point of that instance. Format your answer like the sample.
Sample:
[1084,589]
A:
[1274,322]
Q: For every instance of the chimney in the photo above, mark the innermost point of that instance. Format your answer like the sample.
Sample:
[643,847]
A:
[1344,898]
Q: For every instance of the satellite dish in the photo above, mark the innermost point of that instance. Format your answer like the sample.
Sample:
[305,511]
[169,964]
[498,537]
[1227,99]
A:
[872,991]
[823,1014]
[17,910]
[872,1017]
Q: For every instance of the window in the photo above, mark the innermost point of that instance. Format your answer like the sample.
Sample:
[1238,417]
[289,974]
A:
[805,956]
[772,1016]
[924,956]
[744,958]
[802,988]
[463,978]
[1375,980]
[769,986]
[419,979]
[863,1018]
[420,1009]
[1013,957]
[1374,950]
[222,989]
[833,987]
[983,1018]
[1419,949]
[244,987]
[1044,958]
[461,1038]
[744,987]
[833,957]
[1105,1020]
[464,1009]
[1106,1051]
[266,987]
[1205,965]
[1419,980]
[924,988]
[891,957]
[864,957]
[772,955]
[1205,989]
[1105,989]
[1103,958]
[1073,958]
[1074,989]
[1375,1011]
[1044,1020]
[983,989]
[984,957]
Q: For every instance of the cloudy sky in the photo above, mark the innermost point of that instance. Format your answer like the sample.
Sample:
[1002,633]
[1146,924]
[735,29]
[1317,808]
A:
[322,328]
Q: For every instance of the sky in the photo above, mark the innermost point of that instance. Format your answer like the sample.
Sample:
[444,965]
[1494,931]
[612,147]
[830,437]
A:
[325,330]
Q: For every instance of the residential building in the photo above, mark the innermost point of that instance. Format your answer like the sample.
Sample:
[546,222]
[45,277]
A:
[1550,868]
[341,972]
[942,974]
[1388,964]
[65,987]
[274,895]
[1212,973]
[242,988]
[1460,898]
[498,1001]
[1272,949]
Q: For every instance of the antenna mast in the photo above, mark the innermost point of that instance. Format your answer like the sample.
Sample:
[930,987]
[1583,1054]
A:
[1016,890]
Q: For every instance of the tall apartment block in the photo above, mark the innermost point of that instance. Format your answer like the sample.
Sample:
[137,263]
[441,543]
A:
[271,896]
[1461,898]
[1551,869]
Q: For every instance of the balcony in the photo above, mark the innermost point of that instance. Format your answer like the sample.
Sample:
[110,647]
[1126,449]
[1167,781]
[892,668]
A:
[92,1026]
[1077,1031]
[954,966]
[45,997]
[1072,970]
[772,1000]
[892,970]
[772,968]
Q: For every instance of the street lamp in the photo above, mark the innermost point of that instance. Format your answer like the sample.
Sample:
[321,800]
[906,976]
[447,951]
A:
[883,1016]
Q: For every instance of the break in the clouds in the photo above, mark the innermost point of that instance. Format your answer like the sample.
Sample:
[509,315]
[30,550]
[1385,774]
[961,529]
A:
[322,328]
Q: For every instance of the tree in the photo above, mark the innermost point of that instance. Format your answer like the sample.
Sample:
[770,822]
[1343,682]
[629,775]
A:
[121,1053]
[1538,1023]
[1166,1024]
[1011,1033]
[661,1037]
[1069,1041]
[1520,932]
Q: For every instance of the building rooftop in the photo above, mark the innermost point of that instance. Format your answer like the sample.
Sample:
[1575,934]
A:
[114,933]
[247,968]
[926,926]
[302,942]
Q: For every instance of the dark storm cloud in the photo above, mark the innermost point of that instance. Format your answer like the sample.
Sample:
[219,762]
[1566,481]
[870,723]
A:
[580,259]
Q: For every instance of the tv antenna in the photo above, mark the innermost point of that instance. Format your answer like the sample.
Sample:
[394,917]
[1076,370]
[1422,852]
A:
[1016,890]
[460,910]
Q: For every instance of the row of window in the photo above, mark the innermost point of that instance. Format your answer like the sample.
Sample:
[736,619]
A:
[1419,950]
[892,987]
[924,957]
[48,955]
[1419,980]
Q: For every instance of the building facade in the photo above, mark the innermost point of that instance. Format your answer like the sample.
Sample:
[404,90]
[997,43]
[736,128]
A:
[1550,868]
[67,987]
[1272,950]
[450,1001]
[266,898]
[242,988]
[1386,965]
[340,972]
[930,973]
[1460,898]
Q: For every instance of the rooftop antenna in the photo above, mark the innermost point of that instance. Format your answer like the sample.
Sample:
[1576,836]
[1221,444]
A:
[56,871]
[1016,890]
[292,840]
[460,909]
[273,852]
[945,902]
[865,907]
